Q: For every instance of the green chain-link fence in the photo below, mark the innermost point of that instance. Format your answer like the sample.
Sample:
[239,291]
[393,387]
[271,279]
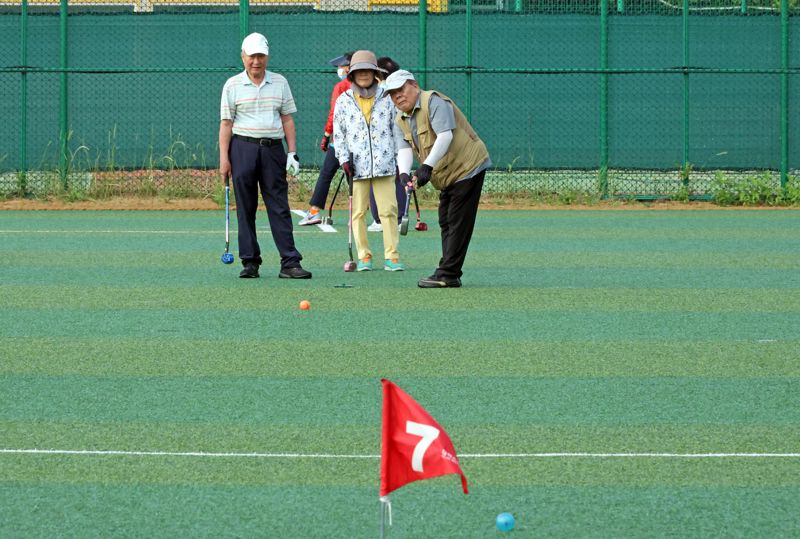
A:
[613,97]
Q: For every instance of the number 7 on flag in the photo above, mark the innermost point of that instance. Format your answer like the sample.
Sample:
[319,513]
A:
[413,445]
[428,434]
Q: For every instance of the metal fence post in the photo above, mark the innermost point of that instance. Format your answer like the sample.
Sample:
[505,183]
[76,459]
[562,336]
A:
[685,156]
[63,108]
[244,19]
[784,92]
[604,98]
[23,112]
[468,61]
[422,44]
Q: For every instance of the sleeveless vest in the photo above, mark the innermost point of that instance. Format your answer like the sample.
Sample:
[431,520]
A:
[466,152]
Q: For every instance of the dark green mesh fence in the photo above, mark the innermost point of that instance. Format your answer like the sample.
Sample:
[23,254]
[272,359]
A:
[612,98]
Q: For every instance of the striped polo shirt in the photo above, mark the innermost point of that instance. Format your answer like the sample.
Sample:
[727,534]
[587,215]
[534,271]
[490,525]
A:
[256,110]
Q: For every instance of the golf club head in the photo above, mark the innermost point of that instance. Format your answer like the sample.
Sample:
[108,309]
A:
[422,227]
[404,226]
[227,258]
[327,220]
[349,266]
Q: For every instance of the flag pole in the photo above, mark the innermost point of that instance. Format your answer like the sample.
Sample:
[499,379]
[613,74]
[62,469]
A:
[386,507]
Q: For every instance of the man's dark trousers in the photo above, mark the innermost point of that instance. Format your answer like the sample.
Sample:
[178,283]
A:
[253,166]
[458,208]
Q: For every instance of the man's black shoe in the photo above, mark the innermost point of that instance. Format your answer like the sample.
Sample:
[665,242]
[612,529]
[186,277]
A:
[294,273]
[250,271]
[439,282]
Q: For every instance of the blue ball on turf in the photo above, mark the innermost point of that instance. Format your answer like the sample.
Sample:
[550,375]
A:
[227,258]
[505,522]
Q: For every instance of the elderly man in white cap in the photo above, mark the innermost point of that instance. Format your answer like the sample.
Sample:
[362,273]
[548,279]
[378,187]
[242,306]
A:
[432,128]
[256,115]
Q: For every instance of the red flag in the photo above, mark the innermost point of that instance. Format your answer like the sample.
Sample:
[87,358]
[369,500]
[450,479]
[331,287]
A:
[413,445]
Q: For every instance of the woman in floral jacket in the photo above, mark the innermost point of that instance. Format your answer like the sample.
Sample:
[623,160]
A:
[362,127]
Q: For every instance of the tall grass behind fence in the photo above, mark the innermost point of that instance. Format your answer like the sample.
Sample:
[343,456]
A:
[644,98]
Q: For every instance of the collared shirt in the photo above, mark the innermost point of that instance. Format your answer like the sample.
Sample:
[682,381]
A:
[256,110]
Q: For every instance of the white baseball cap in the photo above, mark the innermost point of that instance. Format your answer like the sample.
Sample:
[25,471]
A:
[255,43]
[398,79]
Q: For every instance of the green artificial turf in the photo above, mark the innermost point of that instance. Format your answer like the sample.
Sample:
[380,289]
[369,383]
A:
[601,332]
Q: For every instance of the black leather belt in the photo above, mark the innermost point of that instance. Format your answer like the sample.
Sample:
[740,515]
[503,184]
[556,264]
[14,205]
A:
[260,141]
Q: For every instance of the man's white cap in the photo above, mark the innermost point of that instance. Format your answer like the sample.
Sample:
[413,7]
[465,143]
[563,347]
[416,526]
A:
[398,79]
[255,43]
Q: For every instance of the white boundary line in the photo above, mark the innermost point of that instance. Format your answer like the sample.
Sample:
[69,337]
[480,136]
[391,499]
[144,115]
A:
[203,454]
[156,232]
[634,455]
[180,232]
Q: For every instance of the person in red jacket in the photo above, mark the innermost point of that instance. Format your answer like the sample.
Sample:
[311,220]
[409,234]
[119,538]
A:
[331,164]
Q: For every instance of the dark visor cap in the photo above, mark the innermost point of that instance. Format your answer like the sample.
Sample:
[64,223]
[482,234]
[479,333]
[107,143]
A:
[339,61]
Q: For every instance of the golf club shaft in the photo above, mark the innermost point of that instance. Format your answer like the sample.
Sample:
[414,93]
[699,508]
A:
[227,214]
[350,178]
[335,193]
[350,226]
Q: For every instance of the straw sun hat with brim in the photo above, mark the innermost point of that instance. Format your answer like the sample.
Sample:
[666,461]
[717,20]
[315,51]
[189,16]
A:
[363,60]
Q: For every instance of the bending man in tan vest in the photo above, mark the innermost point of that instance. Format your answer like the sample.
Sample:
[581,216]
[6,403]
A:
[431,128]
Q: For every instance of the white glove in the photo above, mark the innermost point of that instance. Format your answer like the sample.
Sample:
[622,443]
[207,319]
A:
[292,164]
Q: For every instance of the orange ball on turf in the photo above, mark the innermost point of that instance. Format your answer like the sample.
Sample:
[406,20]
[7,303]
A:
[305,305]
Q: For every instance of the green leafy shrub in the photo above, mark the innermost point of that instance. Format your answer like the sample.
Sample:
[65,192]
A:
[791,195]
[756,190]
[724,189]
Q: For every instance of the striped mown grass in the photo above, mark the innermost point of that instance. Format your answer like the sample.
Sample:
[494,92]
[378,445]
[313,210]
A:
[602,373]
